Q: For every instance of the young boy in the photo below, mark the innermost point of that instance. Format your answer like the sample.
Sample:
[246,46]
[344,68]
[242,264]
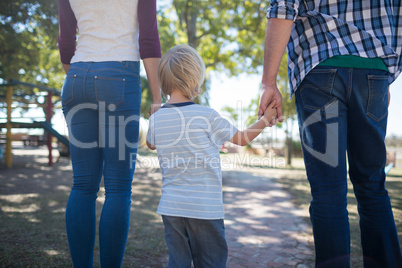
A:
[187,137]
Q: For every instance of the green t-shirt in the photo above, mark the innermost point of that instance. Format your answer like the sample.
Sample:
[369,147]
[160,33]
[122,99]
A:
[351,61]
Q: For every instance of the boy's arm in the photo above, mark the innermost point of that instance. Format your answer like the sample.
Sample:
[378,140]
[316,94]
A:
[244,137]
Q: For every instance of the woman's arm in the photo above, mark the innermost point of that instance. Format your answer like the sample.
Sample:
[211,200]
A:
[66,67]
[67,33]
[149,36]
[151,68]
[150,49]
[244,137]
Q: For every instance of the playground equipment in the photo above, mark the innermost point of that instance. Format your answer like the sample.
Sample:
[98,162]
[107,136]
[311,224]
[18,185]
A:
[46,125]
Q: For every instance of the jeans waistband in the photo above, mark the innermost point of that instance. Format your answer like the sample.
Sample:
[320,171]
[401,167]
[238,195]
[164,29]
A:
[93,66]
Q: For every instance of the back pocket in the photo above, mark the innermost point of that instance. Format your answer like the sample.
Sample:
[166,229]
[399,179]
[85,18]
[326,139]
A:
[110,90]
[67,92]
[316,88]
[377,106]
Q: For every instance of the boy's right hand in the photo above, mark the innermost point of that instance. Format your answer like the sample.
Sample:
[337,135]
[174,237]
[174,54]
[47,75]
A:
[270,114]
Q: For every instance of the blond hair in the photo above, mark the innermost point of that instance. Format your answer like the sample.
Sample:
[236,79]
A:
[182,69]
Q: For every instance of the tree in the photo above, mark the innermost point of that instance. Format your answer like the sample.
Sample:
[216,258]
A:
[288,108]
[228,34]
[26,29]
[28,48]
[232,112]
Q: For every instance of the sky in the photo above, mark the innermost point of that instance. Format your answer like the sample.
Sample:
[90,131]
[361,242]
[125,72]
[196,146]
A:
[239,91]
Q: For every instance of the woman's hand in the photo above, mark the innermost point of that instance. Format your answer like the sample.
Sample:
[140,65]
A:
[66,67]
[151,68]
[155,106]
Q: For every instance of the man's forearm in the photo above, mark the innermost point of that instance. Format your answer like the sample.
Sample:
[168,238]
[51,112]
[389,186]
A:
[276,39]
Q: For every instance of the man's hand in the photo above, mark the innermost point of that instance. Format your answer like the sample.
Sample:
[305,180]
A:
[270,94]
[276,38]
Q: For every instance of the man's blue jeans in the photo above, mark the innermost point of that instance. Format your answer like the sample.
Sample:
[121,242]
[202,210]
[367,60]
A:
[101,104]
[202,241]
[342,116]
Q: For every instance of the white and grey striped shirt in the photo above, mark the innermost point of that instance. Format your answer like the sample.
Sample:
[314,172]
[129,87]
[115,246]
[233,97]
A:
[187,137]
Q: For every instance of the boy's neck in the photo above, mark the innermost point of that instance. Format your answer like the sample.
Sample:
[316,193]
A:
[177,97]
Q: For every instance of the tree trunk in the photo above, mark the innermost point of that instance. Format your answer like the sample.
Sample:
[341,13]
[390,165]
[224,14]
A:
[289,149]
[191,14]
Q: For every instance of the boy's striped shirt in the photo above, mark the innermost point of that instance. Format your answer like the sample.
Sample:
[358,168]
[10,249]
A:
[187,138]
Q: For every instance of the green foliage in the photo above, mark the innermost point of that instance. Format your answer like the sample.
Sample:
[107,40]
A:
[288,108]
[28,48]
[28,34]
[288,105]
[232,112]
[252,111]
[228,34]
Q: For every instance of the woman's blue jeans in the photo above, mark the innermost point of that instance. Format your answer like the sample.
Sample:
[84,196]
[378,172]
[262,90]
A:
[101,104]
[198,240]
[342,116]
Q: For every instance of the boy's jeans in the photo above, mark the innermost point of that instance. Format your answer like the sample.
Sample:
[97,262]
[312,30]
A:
[345,110]
[101,104]
[202,241]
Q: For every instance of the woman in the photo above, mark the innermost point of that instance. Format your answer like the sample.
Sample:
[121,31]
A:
[101,100]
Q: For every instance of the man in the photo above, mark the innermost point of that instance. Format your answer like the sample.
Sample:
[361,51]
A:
[342,57]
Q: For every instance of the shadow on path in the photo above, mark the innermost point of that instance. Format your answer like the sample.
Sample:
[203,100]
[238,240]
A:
[263,227]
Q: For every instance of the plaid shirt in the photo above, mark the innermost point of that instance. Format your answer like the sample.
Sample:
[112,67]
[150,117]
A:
[365,28]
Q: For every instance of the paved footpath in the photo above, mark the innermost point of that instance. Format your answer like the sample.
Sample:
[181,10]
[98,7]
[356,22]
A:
[263,227]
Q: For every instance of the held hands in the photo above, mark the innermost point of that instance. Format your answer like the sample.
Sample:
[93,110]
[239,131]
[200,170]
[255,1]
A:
[269,95]
[270,114]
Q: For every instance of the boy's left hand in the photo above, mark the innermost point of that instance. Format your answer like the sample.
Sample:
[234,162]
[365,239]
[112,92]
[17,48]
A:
[270,114]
